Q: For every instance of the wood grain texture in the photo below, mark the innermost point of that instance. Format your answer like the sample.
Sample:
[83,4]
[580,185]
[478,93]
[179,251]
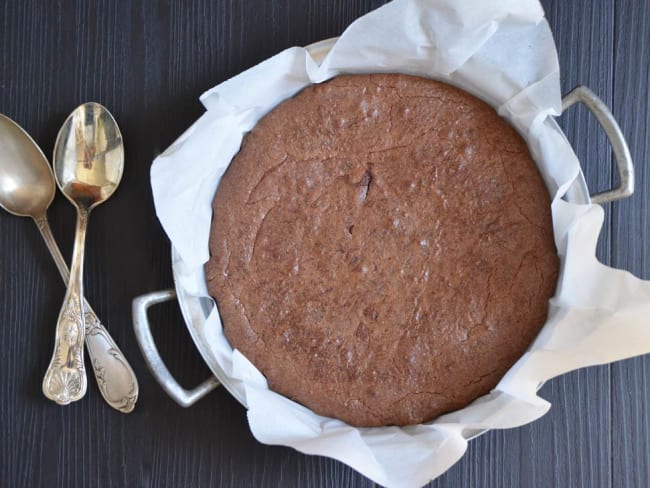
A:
[148,61]
[630,233]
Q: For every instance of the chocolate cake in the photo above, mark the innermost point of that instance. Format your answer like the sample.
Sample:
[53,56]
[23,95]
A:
[382,249]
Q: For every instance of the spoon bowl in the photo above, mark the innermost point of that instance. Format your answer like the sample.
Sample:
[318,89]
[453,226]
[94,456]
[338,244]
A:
[89,156]
[26,190]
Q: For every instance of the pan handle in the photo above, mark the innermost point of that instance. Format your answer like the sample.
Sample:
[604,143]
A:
[616,139]
[180,395]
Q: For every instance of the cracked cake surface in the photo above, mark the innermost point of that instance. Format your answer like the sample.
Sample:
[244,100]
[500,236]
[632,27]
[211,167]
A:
[382,249]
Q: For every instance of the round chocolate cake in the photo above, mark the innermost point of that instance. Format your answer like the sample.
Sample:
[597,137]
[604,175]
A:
[382,249]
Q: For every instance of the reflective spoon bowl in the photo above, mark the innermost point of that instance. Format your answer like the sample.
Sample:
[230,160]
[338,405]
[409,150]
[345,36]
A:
[88,166]
[26,182]
[27,187]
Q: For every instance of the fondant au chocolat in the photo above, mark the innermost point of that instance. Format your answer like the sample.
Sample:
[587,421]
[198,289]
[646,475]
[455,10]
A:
[382,249]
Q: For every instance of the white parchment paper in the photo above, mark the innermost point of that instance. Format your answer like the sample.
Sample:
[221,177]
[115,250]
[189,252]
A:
[502,52]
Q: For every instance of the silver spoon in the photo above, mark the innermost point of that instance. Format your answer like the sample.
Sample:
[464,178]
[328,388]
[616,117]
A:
[88,164]
[26,189]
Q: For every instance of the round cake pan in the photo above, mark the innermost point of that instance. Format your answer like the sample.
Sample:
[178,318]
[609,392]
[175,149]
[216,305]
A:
[195,310]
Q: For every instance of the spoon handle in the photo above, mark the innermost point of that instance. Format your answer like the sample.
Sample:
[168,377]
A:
[65,378]
[115,377]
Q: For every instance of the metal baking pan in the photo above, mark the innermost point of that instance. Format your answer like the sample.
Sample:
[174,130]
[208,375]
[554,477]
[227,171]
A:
[195,310]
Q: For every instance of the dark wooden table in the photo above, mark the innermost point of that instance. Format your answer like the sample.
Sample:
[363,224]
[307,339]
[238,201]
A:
[148,62]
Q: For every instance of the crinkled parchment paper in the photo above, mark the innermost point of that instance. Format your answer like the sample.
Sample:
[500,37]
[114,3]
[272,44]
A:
[502,52]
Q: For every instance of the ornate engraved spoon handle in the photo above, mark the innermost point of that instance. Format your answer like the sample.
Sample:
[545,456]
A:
[115,377]
[65,378]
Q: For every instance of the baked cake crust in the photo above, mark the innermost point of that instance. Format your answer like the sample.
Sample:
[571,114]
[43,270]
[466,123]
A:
[382,249]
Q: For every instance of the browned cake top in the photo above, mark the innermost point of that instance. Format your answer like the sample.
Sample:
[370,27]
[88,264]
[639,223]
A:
[382,249]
